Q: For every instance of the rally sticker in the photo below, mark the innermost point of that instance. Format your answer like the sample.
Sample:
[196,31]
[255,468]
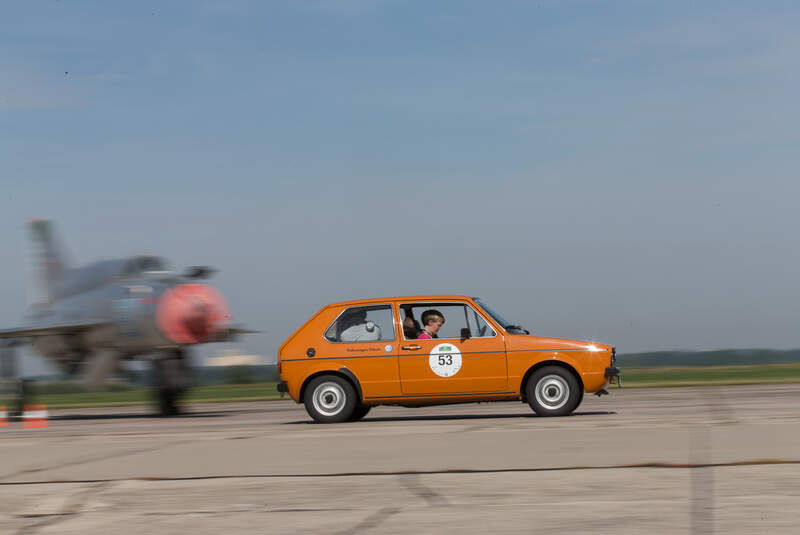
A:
[445,360]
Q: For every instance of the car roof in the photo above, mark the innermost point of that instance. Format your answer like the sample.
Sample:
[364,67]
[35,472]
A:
[400,298]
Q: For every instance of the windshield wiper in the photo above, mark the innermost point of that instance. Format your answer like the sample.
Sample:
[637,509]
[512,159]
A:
[517,328]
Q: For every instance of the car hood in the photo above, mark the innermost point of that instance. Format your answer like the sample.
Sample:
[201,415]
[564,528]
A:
[522,342]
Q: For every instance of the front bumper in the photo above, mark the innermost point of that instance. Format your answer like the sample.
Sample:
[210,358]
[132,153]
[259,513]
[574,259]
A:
[614,372]
[283,388]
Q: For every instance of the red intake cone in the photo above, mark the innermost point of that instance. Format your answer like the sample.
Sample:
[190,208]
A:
[192,313]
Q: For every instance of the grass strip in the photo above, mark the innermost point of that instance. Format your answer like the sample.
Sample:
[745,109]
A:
[222,393]
[710,375]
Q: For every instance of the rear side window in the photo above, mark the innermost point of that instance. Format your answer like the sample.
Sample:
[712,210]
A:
[362,324]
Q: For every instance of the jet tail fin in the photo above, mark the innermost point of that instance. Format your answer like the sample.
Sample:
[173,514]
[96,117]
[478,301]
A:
[48,254]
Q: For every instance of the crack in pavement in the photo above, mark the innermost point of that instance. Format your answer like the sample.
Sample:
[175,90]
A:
[250,510]
[72,508]
[372,521]
[752,462]
[93,459]
[412,483]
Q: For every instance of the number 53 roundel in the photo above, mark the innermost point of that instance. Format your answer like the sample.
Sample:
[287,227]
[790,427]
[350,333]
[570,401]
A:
[445,360]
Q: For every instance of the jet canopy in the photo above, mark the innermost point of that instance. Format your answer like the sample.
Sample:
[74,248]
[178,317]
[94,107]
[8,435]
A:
[143,264]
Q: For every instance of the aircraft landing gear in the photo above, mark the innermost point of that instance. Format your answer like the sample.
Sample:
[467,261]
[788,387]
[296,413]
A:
[173,380]
[13,388]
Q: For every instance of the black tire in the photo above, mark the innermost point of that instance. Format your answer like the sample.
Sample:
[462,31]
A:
[167,403]
[330,399]
[359,412]
[552,391]
[21,390]
[172,377]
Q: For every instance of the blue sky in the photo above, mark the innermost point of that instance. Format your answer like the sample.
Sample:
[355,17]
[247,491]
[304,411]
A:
[620,171]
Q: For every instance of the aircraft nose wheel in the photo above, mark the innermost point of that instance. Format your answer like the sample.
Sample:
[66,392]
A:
[13,387]
[172,381]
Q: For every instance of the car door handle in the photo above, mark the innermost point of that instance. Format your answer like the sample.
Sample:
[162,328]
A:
[412,348]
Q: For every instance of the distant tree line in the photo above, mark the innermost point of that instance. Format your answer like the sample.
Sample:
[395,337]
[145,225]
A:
[721,357]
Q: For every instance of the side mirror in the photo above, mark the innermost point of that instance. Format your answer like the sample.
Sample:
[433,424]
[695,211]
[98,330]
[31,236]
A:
[465,333]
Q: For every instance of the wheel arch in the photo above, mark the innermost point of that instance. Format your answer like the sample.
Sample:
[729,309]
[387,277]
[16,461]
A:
[344,373]
[542,364]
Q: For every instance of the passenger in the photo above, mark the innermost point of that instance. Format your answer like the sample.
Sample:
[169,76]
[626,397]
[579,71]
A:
[432,320]
[410,328]
[355,327]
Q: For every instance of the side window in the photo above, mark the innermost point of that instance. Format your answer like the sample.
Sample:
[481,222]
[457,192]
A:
[362,324]
[457,316]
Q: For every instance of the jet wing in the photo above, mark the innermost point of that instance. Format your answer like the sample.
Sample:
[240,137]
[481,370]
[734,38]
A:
[54,328]
[232,333]
[241,330]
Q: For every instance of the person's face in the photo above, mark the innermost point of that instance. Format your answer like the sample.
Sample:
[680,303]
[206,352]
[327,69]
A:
[434,325]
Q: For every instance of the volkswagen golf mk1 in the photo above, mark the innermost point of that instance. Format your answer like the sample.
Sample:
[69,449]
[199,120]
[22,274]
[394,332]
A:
[433,350]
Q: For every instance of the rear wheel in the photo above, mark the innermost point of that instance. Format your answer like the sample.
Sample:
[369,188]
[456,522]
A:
[553,391]
[359,412]
[330,399]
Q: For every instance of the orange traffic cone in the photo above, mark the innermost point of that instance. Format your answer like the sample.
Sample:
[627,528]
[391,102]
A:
[3,416]
[34,417]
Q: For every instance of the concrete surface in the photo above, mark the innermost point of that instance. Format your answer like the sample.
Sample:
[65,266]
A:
[677,460]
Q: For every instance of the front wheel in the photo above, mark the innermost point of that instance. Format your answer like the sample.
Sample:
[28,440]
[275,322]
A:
[330,399]
[552,391]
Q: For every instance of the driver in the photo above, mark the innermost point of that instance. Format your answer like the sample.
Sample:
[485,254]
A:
[432,321]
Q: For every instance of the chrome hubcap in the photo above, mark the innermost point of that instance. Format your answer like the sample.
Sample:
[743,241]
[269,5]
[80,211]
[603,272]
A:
[328,399]
[552,392]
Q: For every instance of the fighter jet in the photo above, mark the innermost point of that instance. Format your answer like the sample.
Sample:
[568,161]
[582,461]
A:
[97,316]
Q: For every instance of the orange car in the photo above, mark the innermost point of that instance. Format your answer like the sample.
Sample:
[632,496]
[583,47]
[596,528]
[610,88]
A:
[432,350]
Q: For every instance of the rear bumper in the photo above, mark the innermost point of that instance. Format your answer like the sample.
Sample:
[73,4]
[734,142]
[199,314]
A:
[282,387]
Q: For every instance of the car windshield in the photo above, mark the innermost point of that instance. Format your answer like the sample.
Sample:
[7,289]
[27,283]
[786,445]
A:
[508,326]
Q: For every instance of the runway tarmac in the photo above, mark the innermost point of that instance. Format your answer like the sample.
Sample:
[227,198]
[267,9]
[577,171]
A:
[671,460]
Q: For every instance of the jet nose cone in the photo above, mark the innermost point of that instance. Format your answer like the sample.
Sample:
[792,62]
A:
[192,313]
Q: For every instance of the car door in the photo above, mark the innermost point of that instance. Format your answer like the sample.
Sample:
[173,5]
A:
[452,363]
